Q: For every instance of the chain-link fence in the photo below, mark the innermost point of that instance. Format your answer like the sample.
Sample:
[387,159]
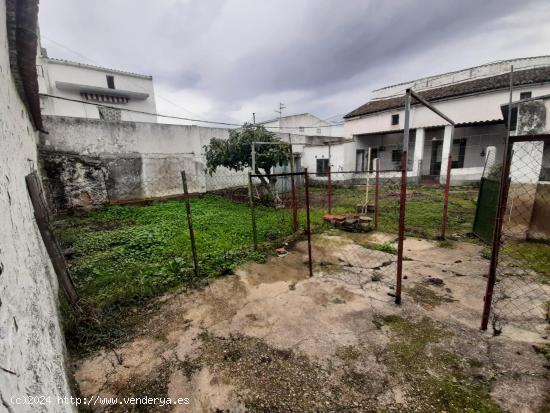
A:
[518,290]
[280,212]
[362,209]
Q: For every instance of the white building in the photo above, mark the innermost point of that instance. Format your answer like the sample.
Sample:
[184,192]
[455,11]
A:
[314,142]
[78,84]
[471,97]
[302,124]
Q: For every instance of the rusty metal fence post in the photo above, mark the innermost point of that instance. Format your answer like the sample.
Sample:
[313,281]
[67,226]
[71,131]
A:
[308,223]
[252,212]
[190,223]
[497,232]
[377,195]
[446,198]
[329,178]
[402,200]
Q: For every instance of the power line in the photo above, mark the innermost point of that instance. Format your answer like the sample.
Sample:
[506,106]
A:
[142,112]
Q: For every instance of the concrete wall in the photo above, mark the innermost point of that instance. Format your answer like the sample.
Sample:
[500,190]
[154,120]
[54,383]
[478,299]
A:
[540,224]
[90,162]
[31,341]
[51,71]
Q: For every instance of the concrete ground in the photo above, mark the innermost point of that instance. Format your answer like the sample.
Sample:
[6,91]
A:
[271,339]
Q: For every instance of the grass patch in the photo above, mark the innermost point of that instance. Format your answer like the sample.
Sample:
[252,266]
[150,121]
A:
[432,377]
[386,247]
[532,255]
[424,207]
[446,244]
[426,296]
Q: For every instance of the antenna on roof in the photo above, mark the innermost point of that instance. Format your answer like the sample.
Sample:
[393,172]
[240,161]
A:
[280,111]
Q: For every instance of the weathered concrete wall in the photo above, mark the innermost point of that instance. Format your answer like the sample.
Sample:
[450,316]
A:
[31,341]
[540,224]
[91,162]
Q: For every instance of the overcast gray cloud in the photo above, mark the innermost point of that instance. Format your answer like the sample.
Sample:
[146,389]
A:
[223,59]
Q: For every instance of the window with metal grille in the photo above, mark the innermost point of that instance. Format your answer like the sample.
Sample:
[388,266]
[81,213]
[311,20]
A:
[395,119]
[396,155]
[458,153]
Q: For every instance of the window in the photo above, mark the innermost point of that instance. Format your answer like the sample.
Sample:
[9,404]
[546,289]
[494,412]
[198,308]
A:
[301,128]
[322,167]
[524,95]
[360,160]
[109,114]
[395,119]
[396,155]
[458,152]
[110,82]
[319,130]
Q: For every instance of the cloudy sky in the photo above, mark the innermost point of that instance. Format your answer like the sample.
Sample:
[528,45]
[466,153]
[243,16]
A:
[224,59]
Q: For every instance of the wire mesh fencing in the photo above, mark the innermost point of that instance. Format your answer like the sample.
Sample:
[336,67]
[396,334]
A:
[280,213]
[518,289]
[360,222]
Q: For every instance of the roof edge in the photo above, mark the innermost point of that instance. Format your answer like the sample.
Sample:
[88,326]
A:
[22,27]
[457,71]
[95,67]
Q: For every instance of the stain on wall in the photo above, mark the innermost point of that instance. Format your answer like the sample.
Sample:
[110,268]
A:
[73,181]
[532,117]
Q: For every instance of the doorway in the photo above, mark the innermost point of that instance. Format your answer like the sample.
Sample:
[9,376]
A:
[435,160]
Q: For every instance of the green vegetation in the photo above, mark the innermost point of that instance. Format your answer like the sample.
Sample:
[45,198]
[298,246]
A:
[533,255]
[424,208]
[122,256]
[432,376]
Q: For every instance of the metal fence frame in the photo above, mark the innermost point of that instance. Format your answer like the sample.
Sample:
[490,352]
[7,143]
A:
[294,208]
[497,242]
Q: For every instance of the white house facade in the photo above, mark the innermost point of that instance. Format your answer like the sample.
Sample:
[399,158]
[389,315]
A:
[302,124]
[472,98]
[81,89]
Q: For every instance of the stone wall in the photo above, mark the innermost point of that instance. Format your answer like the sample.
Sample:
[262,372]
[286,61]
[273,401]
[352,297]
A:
[31,341]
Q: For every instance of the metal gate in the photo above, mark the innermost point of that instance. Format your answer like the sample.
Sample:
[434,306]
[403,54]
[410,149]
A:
[518,290]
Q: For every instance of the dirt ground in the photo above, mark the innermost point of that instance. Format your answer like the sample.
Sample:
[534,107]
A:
[271,339]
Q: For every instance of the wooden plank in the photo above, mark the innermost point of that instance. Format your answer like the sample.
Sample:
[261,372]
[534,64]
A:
[52,246]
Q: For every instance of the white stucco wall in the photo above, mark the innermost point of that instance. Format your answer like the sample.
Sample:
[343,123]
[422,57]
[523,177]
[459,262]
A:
[31,341]
[342,156]
[473,108]
[51,71]
[291,124]
[88,137]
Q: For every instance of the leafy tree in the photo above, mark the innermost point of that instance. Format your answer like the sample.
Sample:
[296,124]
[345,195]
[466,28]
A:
[235,153]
